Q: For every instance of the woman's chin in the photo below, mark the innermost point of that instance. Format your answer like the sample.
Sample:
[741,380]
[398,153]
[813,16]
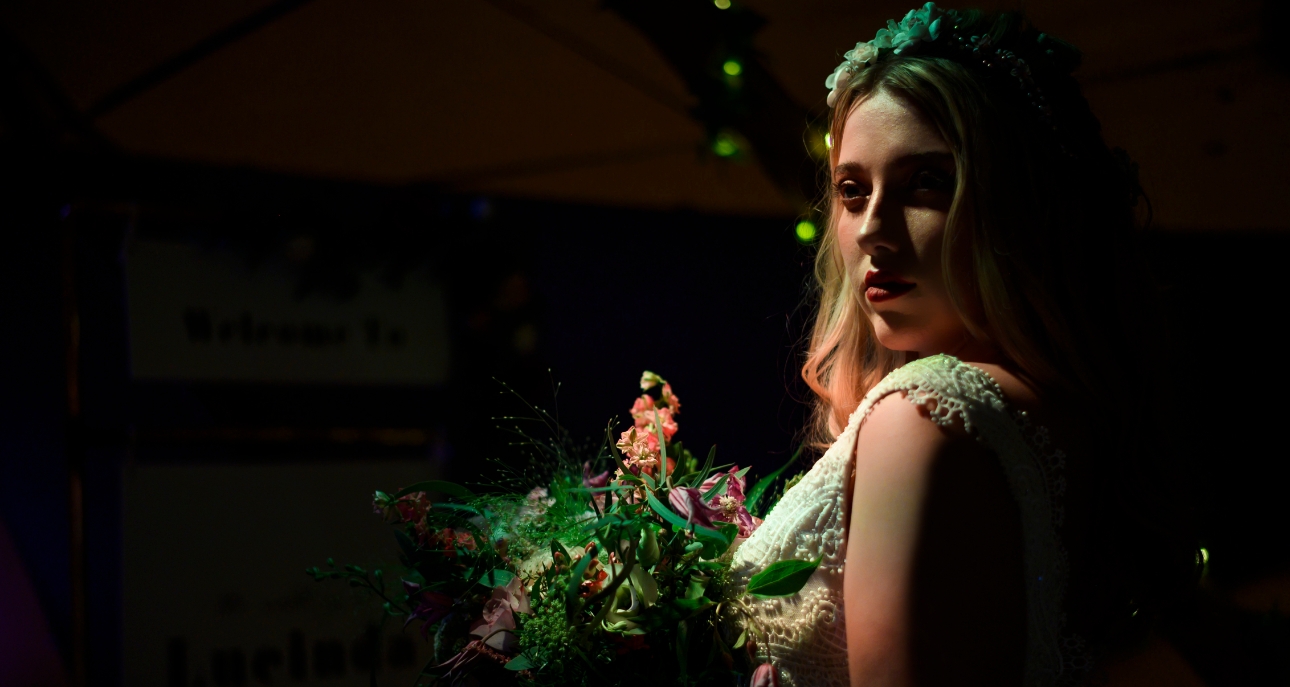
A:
[898,339]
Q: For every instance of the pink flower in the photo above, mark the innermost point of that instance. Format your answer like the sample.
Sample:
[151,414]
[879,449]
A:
[670,399]
[499,616]
[765,676]
[645,415]
[688,503]
[601,480]
[413,507]
[731,503]
[663,416]
[734,483]
[640,406]
[595,482]
[641,449]
[646,419]
[515,594]
[536,503]
[446,539]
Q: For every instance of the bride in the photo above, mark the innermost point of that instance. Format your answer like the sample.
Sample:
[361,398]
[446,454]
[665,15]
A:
[975,376]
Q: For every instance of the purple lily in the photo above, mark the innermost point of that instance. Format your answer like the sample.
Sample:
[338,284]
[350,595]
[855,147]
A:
[688,502]
[601,480]
[731,504]
[431,606]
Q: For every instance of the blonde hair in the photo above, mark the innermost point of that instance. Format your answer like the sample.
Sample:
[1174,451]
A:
[1016,254]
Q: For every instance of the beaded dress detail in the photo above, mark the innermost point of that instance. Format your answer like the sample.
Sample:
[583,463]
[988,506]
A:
[805,634]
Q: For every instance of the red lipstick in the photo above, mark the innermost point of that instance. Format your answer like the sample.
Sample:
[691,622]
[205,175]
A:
[884,285]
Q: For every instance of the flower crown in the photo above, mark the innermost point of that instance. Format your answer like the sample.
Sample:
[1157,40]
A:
[932,24]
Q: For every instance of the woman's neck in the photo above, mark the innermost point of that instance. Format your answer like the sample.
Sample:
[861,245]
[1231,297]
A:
[968,349]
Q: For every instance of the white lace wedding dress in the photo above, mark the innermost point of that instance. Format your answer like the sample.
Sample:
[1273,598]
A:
[806,633]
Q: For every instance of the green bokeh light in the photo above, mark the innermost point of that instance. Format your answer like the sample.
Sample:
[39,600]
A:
[722,4]
[725,146]
[805,231]
[732,67]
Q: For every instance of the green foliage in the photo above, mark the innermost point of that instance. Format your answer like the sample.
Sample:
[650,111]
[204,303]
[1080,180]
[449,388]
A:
[622,589]
[547,636]
[758,491]
[496,578]
[782,578]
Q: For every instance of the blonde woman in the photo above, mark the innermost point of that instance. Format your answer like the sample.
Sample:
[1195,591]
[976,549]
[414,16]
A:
[974,373]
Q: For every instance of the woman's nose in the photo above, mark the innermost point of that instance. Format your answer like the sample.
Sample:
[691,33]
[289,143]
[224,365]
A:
[875,235]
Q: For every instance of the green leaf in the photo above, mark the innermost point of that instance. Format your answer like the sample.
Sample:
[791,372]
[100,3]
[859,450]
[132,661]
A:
[612,518]
[669,613]
[759,489]
[713,548]
[707,465]
[662,453]
[782,578]
[437,486]
[406,545]
[611,444]
[681,471]
[497,578]
[594,490]
[716,488]
[456,506]
[697,586]
[557,547]
[666,513]
[679,522]
[520,662]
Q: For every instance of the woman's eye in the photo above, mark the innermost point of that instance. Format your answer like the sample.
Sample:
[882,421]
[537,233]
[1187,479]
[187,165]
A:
[849,190]
[930,180]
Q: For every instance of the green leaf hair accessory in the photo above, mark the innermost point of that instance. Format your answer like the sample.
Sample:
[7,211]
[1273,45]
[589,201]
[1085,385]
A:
[929,26]
[919,25]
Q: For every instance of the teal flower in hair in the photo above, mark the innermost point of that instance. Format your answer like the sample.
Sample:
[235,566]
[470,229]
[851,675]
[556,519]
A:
[923,24]
[918,25]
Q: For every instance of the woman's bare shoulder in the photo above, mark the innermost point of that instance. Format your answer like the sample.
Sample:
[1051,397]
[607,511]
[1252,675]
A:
[926,498]
[901,431]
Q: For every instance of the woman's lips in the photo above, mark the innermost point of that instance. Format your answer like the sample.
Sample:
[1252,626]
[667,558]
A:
[882,285]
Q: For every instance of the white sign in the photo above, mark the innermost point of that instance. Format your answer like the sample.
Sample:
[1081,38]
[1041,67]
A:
[199,315]
[215,590]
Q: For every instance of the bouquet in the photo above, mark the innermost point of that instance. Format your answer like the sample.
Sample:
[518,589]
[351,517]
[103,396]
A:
[610,570]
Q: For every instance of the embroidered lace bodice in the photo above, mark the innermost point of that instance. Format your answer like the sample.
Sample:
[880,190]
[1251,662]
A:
[805,634]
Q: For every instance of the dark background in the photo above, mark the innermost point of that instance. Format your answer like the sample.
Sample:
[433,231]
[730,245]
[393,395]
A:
[556,168]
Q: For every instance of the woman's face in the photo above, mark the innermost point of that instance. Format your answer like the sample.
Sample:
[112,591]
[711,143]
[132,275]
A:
[894,180]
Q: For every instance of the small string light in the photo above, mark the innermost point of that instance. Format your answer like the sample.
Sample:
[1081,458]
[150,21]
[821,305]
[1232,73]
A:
[725,146]
[805,231]
[722,4]
[732,68]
